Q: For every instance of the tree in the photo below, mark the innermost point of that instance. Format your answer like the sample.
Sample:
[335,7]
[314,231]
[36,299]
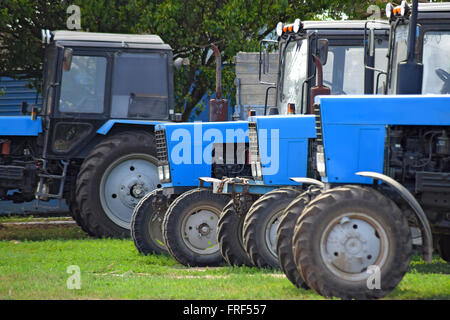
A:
[189,26]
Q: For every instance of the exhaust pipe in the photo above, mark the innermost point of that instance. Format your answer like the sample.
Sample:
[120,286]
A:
[218,107]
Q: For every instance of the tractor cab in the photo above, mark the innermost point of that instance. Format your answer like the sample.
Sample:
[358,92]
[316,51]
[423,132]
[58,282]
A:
[340,48]
[91,78]
[417,64]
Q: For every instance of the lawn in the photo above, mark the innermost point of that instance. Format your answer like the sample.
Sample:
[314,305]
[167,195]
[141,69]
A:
[34,262]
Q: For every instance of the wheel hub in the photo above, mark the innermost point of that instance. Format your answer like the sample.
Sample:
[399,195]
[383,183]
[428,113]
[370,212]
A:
[200,232]
[204,229]
[352,245]
[124,183]
[132,189]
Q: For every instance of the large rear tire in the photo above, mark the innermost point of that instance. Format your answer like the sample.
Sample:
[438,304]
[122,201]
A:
[261,224]
[229,235]
[190,227]
[75,214]
[352,242]
[112,179]
[146,223]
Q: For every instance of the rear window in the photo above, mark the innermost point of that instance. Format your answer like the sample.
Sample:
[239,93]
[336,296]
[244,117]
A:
[140,86]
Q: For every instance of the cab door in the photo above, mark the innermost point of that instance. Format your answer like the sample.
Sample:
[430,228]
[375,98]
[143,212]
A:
[80,106]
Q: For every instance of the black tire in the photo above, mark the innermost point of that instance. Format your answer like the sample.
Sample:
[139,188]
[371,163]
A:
[285,233]
[180,227]
[444,248]
[75,214]
[354,218]
[146,223]
[229,236]
[99,218]
[261,217]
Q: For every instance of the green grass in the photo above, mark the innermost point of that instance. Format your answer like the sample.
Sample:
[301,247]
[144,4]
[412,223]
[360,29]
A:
[34,261]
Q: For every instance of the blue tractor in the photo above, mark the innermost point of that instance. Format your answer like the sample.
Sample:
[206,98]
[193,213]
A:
[183,215]
[378,170]
[384,165]
[92,143]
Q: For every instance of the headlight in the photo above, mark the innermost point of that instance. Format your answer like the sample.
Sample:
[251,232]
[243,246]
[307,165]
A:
[166,172]
[161,173]
[320,161]
[256,170]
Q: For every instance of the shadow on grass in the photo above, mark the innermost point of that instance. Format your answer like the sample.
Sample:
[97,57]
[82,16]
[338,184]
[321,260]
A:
[40,232]
[437,266]
[416,295]
[440,267]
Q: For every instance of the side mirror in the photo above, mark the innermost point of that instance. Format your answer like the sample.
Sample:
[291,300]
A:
[67,59]
[322,51]
[266,61]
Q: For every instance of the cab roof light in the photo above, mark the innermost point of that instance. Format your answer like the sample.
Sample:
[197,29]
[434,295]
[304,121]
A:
[404,8]
[293,27]
[279,29]
[389,10]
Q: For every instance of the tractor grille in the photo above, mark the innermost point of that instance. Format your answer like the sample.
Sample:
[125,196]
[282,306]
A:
[318,124]
[253,142]
[161,146]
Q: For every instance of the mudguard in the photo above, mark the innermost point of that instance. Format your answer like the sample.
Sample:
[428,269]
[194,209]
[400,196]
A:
[20,126]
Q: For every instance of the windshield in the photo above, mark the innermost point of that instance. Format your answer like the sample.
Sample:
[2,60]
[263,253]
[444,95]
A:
[400,53]
[294,71]
[436,64]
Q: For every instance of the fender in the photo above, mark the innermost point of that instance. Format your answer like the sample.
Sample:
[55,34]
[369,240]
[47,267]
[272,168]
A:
[104,129]
[310,181]
[411,200]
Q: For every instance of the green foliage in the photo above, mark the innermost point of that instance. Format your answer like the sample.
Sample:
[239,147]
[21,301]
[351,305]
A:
[189,26]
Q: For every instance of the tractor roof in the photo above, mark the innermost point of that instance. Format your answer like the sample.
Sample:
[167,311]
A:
[434,7]
[110,39]
[344,24]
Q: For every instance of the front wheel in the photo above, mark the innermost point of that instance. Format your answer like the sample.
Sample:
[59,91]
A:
[261,224]
[285,232]
[229,235]
[353,243]
[146,223]
[190,227]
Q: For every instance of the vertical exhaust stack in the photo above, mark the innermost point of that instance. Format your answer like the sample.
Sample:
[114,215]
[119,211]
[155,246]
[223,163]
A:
[218,107]
[319,88]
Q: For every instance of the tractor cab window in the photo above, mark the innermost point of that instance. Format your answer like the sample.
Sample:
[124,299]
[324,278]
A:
[294,66]
[83,86]
[344,72]
[140,86]
[436,63]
